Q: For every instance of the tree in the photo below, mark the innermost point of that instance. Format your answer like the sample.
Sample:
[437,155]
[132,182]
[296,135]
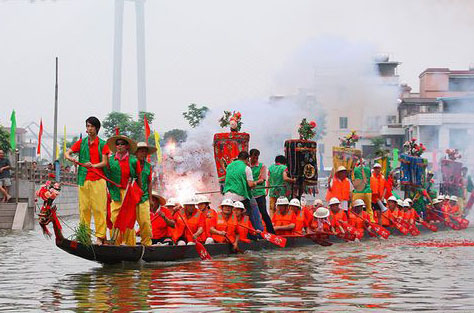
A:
[4,140]
[178,135]
[195,115]
[127,126]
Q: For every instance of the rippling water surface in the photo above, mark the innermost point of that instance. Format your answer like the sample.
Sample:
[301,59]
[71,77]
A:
[374,276]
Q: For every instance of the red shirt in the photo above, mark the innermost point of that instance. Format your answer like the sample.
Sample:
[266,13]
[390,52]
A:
[125,171]
[159,227]
[93,155]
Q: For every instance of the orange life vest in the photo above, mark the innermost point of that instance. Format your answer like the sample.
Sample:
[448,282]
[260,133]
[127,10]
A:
[335,218]
[283,220]
[242,231]
[386,217]
[357,222]
[340,189]
[221,224]
[300,222]
[210,215]
[194,222]
[377,185]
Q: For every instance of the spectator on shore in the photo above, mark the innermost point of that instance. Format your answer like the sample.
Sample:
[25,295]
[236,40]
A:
[5,181]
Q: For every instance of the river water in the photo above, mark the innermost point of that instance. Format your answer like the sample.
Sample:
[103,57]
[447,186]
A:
[372,276]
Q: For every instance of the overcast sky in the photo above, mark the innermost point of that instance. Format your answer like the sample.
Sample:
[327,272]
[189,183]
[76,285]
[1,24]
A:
[212,53]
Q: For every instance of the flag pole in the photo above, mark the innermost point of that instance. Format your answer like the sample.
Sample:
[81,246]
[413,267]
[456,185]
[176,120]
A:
[55,136]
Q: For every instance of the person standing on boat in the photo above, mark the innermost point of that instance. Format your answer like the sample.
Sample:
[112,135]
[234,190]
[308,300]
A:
[259,173]
[123,167]
[284,220]
[278,177]
[339,187]
[377,186]
[238,181]
[361,181]
[162,220]
[93,153]
[143,208]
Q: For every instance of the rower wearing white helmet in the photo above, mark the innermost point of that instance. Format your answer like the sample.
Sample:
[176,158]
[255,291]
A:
[284,220]
[203,204]
[223,227]
[385,218]
[194,219]
[320,222]
[357,216]
[162,221]
[242,220]
[336,215]
[453,208]
[300,221]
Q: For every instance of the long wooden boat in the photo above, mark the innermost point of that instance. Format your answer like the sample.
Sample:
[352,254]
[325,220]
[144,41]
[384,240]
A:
[108,254]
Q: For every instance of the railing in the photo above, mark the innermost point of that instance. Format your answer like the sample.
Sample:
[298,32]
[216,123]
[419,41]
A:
[40,174]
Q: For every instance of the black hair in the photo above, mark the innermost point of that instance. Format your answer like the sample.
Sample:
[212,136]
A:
[280,159]
[243,155]
[254,152]
[95,122]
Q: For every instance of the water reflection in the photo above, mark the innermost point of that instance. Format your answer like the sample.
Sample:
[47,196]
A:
[373,276]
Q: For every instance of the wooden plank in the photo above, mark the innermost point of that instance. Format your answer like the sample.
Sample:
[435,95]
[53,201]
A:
[6,225]
[20,216]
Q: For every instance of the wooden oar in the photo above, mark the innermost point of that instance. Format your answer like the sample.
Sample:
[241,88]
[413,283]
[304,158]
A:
[232,244]
[314,237]
[201,250]
[411,228]
[399,226]
[276,240]
[462,221]
[380,230]
[447,222]
[96,171]
[425,224]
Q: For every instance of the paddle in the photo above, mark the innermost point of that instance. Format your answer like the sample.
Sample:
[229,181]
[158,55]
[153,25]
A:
[96,171]
[201,250]
[411,228]
[237,249]
[399,226]
[381,231]
[431,227]
[276,240]
[316,238]
[464,223]
[447,222]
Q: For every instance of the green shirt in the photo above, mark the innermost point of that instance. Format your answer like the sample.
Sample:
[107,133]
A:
[114,173]
[358,175]
[146,172]
[256,170]
[236,179]
[84,157]
[275,178]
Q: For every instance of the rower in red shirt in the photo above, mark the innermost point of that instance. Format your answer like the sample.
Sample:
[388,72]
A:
[300,220]
[162,221]
[195,220]
[336,216]
[210,214]
[357,215]
[408,212]
[284,220]
[453,206]
[320,222]
[388,215]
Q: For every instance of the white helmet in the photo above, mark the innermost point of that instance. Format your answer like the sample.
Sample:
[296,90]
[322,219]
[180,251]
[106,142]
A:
[318,201]
[321,212]
[227,202]
[239,205]
[437,200]
[377,165]
[334,201]
[454,198]
[409,200]
[446,197]
[189,201]
[358,202]
[295,202]
[202,199]
[172,202]
[400,202]
[392,198]
[282,201]
[406,203]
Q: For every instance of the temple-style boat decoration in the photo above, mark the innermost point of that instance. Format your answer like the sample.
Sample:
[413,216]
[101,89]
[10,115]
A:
[346,154]
[412,165]
[228,145]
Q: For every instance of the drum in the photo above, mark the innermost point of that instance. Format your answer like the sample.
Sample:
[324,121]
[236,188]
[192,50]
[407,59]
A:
[227,147]
[301,156]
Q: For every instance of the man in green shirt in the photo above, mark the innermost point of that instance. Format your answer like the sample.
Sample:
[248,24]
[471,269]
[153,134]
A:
[259,173]
[361,181]
[278,176]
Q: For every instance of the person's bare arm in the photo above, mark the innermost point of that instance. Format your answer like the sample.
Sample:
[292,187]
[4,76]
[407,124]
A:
[287,179]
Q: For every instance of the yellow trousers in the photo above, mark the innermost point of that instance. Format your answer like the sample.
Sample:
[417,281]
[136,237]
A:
[367,198]
[93,200]
[143,219]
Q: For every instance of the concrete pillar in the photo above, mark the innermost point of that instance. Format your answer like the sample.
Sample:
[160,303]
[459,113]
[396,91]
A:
[141,74]
[118,43]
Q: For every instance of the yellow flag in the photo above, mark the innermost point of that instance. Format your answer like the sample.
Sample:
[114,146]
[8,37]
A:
[64,141]
[158,149]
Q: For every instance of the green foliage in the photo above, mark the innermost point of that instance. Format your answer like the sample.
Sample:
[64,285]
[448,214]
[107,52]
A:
[127,126]
[4,140]
[177,135]
[379,146]
[82,234]
[195,115]
[306,130]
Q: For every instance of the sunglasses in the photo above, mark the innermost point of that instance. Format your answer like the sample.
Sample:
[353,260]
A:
[121,143]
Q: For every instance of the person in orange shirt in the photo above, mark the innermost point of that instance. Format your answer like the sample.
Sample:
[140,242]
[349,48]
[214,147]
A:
[203,205]
[386,217]
[242,219]
[453,206]
[357,216]
[195,220]
[162,221]
[336,216]
[377,185]
[284,220]
[339,187]
[224,225]
[408,212]
[320,222]
[300,220]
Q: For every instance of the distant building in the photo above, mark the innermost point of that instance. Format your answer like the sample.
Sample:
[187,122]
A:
[441,115]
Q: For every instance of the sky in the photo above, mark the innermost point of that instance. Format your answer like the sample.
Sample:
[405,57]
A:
[213,53]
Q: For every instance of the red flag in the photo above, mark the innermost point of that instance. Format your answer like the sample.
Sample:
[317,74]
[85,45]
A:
[147,129]
[128,211]
[40,134]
